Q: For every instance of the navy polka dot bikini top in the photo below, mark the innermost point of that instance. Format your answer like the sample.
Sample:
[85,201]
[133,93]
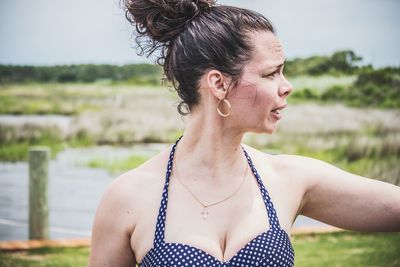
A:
[270,248]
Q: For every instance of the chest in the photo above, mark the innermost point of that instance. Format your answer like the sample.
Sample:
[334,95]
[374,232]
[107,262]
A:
[229,226]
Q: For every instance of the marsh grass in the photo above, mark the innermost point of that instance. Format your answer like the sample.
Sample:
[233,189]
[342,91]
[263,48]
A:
[116,165]
[320,83]
[15,141]
[62,99]
[342,249]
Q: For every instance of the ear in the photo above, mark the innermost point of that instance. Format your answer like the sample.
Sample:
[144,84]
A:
[217,84]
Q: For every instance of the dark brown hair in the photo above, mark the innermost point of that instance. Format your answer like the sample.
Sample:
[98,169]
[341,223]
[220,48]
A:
[193,36]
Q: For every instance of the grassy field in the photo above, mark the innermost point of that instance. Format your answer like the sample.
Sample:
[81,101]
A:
[63,99]
[320,83]
[342,249]
[116,166]
[347,249]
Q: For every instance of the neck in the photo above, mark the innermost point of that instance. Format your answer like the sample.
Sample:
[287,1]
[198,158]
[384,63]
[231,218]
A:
[210,149]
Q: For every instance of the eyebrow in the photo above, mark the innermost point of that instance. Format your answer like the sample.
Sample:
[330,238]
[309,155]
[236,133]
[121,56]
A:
[277,67]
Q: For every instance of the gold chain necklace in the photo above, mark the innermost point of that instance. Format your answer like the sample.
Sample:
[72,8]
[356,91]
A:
[204,211]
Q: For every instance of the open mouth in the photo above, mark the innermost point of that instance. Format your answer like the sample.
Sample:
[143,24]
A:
[276,111]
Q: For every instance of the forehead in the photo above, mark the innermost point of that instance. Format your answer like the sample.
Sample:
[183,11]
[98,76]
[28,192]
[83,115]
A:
[267,52]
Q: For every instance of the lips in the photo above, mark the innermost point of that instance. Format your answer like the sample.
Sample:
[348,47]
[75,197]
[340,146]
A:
[277,111]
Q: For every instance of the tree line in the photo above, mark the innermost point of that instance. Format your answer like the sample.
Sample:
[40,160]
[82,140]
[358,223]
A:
[340,62]
[84,73]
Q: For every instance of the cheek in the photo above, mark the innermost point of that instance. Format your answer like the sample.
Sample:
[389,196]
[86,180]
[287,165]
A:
[259,97]
[253,99]
[265,98]
[245,93]
[252,103]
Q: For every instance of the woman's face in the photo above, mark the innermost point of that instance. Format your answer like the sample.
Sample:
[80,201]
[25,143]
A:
[262,87]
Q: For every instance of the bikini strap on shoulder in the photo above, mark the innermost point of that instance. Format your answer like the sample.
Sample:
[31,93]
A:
[160,226]
[272,217]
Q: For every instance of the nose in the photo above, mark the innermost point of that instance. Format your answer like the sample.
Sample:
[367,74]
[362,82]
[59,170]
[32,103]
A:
[286,88]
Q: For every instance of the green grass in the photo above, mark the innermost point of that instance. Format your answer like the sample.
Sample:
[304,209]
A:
[347,249]
[117,165]
[342,249]
[61,99]
[15,142]
[329,89]
[52,98]
[320,83]
[19,151]
[46,257]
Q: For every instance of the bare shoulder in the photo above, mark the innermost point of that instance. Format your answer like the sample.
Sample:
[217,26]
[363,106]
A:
[130,192]
[126,200]
[287,166]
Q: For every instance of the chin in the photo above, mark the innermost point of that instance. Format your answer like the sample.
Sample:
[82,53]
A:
[265,129]
[269,131]
[270,128]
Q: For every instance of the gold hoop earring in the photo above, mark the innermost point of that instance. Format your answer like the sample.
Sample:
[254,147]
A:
[229,106]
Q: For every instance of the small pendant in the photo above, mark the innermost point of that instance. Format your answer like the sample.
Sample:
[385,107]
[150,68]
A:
[204,213]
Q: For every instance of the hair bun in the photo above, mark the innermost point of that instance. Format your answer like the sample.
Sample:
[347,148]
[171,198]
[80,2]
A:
[163,20]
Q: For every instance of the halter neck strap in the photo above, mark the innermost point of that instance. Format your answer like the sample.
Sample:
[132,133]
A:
[160,226]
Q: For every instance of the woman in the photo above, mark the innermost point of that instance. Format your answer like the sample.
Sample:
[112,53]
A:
[228,203]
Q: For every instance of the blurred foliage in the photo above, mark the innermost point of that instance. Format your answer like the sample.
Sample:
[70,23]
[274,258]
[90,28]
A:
[379,88]
[116,166]
[15,143]
[347,249]
[339,63]
[372,88]
[134,73]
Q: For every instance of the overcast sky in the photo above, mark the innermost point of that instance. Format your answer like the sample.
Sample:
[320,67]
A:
[46,32]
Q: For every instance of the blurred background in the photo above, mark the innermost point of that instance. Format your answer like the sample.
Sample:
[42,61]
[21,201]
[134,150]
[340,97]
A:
[70,80]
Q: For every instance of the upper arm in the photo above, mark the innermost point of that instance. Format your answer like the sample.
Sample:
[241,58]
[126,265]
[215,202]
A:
[112,228]
[347,200]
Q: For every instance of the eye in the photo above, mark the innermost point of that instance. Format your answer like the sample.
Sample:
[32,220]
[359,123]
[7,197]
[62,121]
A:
[272,75]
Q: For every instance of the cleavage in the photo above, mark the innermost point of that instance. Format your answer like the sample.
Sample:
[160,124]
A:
[216,234]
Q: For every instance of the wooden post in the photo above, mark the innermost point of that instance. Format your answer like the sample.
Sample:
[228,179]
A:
[38,183]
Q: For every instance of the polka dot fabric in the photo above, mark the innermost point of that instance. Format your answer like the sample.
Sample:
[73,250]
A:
[270,248]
